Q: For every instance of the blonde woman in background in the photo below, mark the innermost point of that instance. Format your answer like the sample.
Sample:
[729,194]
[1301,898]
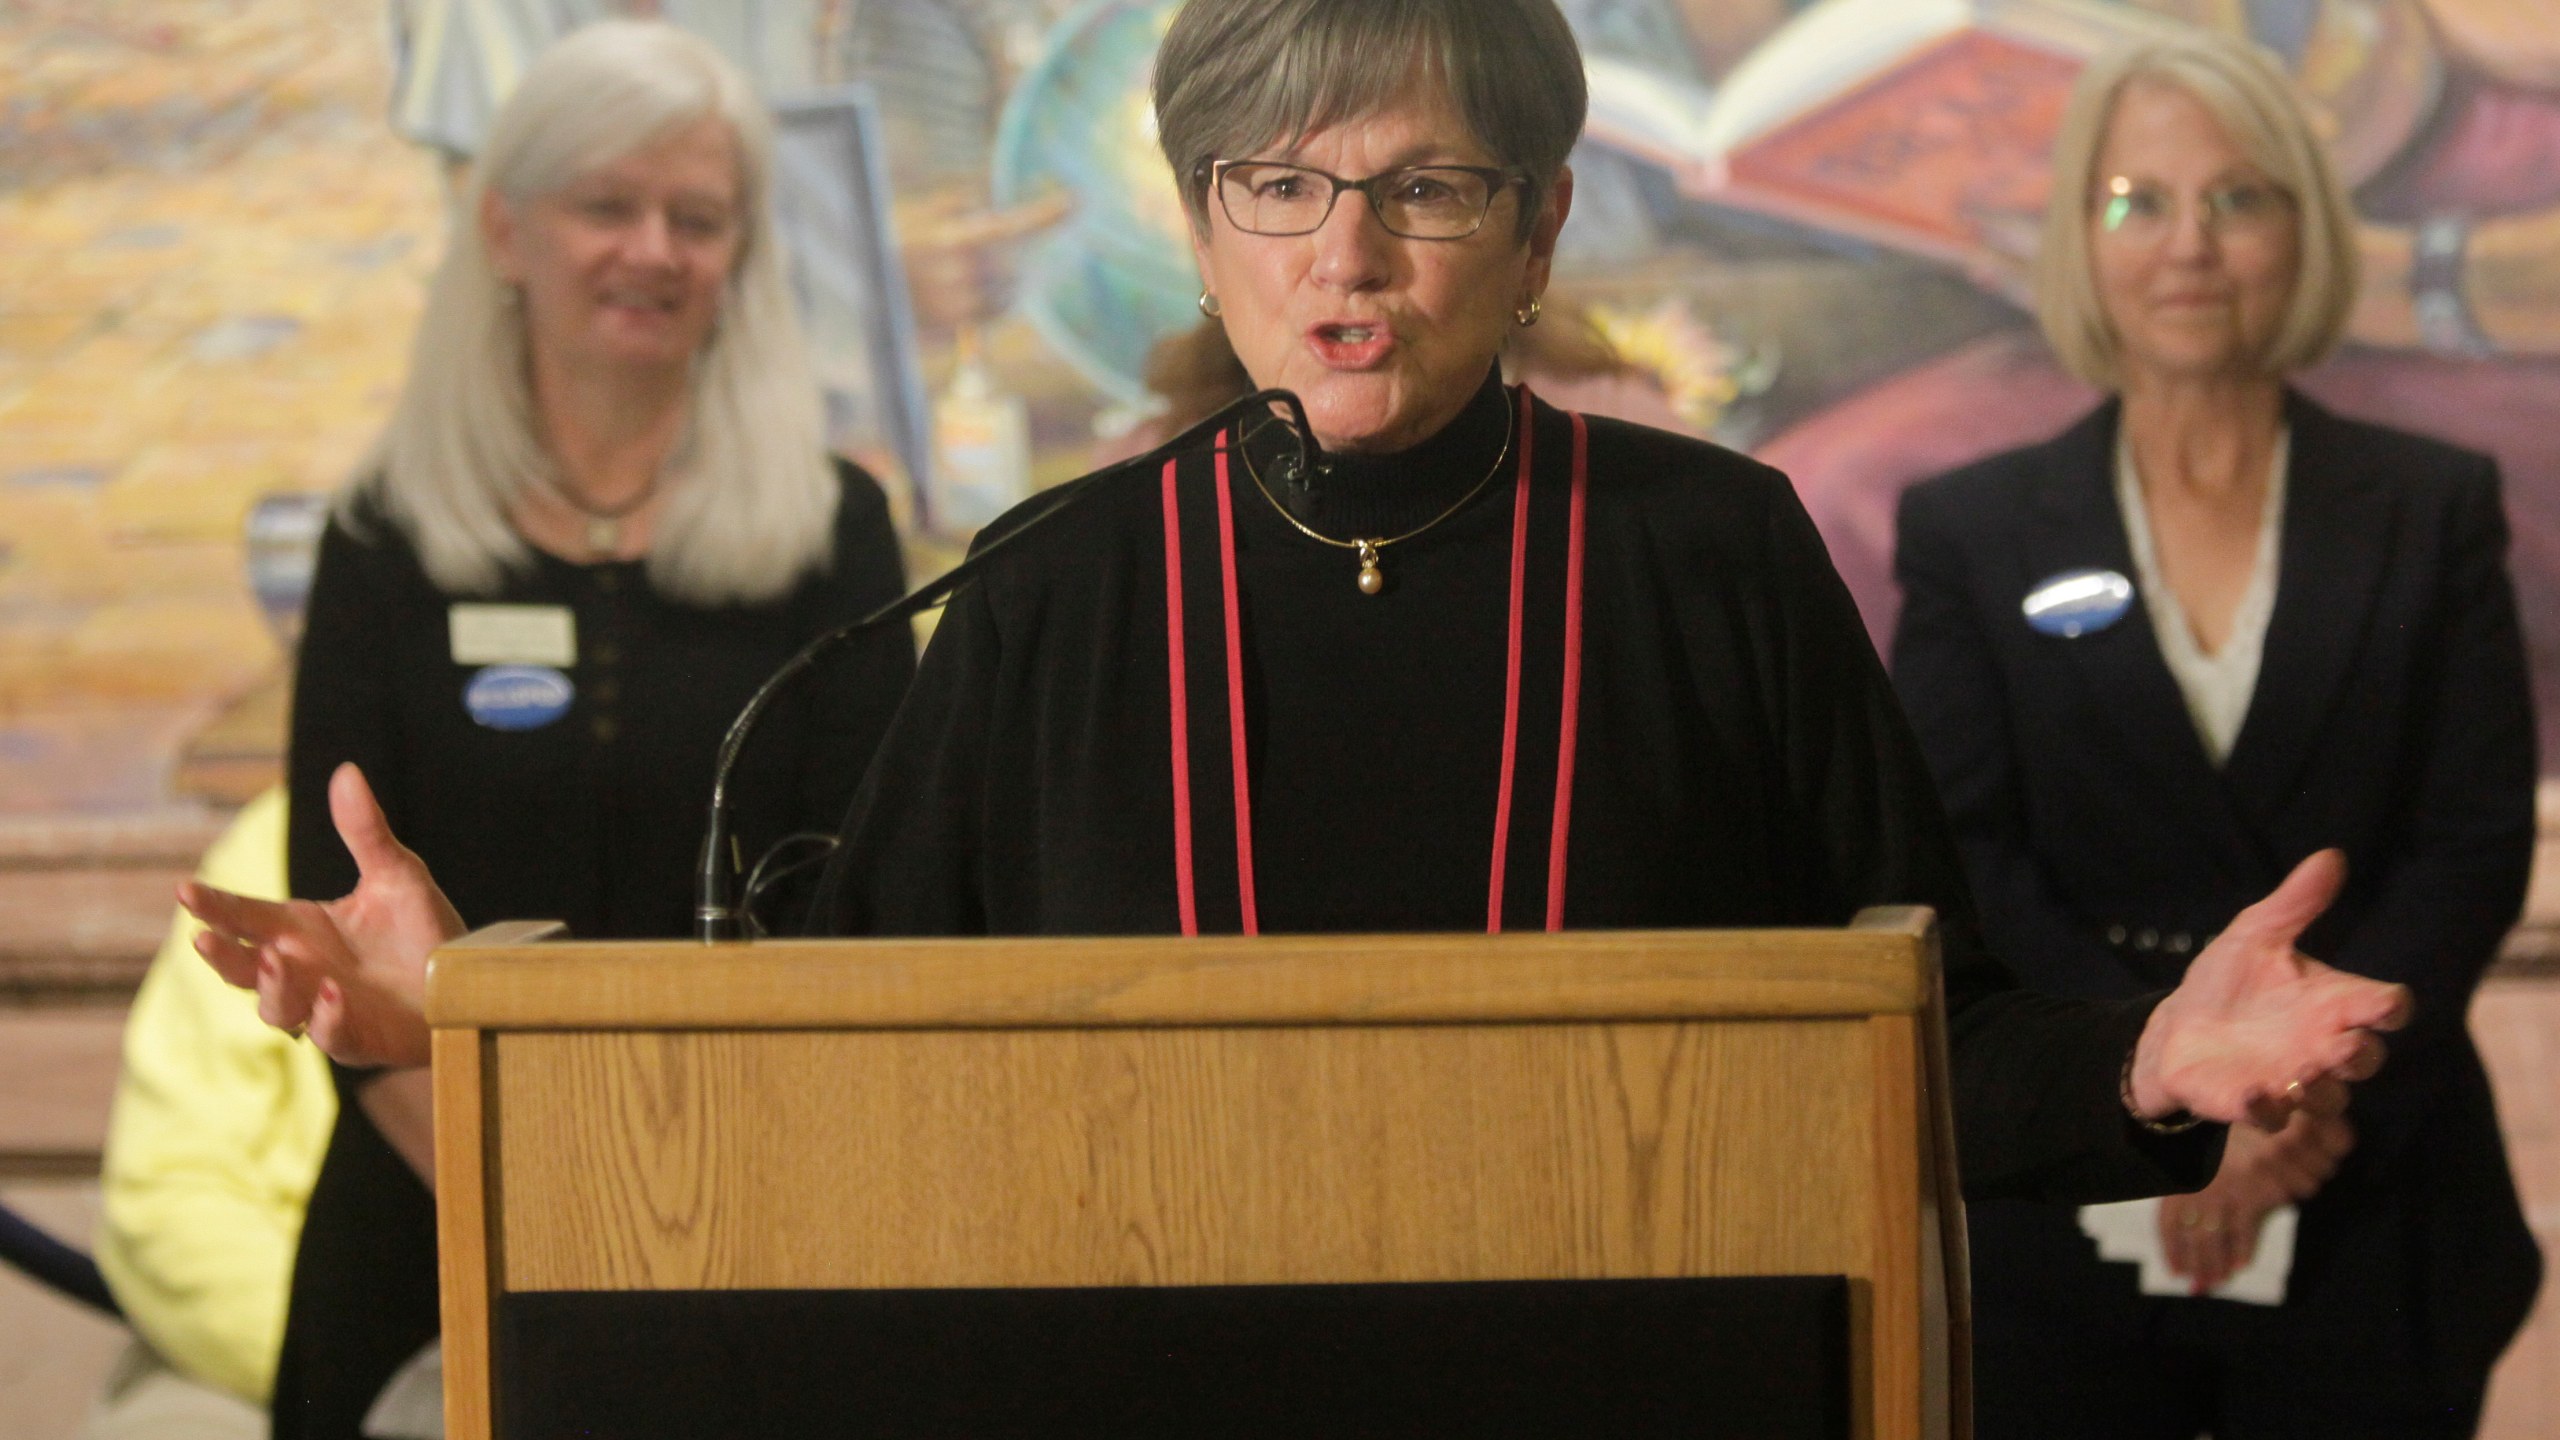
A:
[2157,660]
[604,513]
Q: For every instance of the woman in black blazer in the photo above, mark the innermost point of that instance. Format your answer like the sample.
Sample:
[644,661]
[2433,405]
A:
[2080,626]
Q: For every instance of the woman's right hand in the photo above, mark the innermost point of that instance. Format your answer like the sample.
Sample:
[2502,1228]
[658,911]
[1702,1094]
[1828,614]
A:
[351,972]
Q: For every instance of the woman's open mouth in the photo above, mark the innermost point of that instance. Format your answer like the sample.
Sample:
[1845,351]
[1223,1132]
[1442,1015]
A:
[1351,345]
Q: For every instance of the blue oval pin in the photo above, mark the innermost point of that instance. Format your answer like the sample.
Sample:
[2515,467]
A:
[2077,602]
[517,697]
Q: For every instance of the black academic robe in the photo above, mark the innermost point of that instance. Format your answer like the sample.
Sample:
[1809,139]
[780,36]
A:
[1737,755]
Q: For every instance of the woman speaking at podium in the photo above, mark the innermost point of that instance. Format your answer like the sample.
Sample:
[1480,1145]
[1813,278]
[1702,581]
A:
[1482,664]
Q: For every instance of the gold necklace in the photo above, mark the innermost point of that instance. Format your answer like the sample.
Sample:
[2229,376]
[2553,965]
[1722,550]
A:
[1372,579]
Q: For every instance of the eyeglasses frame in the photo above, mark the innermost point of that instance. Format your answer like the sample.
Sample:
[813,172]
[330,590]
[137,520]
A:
[2119,189]
[1498,178]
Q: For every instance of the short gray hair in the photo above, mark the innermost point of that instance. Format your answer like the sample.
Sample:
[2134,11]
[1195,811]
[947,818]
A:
[2256,107]
[751,496]
[1234,76]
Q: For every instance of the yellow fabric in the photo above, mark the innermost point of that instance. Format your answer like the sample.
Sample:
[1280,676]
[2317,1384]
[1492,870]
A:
[217,1134]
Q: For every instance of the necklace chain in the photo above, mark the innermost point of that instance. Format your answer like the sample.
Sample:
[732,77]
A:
[1372,579]
[603,522]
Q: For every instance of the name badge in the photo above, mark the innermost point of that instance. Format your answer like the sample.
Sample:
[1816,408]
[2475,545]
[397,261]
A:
[2077,602]
[512,634]
[518,697]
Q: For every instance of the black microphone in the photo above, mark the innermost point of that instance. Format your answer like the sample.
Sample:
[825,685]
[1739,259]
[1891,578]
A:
[1301,467]
[717,915]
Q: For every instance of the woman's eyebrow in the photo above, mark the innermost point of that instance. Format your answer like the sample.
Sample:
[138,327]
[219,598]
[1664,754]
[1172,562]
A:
[1420,152]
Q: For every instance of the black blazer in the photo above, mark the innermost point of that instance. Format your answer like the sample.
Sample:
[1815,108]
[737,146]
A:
[2391,719]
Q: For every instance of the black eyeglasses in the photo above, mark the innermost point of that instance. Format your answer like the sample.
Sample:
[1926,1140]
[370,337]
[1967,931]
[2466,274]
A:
[1418,202]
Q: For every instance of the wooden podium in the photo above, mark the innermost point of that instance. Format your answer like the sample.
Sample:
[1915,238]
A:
[1207,1155]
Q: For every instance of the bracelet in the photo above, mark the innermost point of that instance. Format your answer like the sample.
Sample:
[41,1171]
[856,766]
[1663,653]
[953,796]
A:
[2178,1123]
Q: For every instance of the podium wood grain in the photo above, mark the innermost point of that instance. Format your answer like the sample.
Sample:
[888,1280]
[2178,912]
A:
[493,979]
[1184,1157]
[888,1115]
[467,1280]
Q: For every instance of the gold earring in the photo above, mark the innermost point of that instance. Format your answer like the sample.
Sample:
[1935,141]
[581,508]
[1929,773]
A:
[1527,314]
[1209,305]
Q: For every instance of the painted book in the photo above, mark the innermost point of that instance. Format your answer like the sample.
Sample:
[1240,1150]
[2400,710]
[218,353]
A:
[1920,125]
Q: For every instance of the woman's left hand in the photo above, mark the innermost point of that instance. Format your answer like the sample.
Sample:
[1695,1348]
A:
[2257,1030]
[2210,1235]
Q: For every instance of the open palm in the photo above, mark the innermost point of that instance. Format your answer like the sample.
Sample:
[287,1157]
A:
[2258,1030]
[351,971]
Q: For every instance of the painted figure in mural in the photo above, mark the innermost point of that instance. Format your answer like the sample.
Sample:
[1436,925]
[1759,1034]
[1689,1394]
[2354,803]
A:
[2211,628]
[1698,733]
[941,65]
[603,513]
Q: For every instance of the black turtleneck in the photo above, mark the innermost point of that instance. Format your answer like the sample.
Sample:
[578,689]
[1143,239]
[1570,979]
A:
[1741,760]
[1376,720]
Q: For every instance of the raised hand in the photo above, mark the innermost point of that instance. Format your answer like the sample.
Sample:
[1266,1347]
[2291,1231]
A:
[2257,1030]
[350,972]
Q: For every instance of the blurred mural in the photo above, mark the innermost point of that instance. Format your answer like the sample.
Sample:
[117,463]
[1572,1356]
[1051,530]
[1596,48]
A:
[1801,229]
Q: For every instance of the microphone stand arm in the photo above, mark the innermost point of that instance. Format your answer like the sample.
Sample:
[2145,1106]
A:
[717,911]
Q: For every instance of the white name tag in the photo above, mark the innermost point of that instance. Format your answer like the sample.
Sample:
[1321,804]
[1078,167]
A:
[513,635]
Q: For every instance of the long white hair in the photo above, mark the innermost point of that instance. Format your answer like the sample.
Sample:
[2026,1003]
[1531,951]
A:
[750,496]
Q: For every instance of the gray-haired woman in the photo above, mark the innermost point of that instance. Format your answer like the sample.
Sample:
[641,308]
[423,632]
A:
[1487,666]
[604,511]
[2208,629]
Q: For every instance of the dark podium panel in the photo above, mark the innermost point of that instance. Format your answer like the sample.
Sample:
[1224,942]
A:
[1762,1357]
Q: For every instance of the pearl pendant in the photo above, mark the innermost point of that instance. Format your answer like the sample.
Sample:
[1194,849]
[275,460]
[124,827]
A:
[1371,579]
